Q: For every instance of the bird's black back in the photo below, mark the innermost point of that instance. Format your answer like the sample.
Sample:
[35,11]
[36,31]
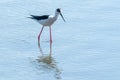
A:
[39,17]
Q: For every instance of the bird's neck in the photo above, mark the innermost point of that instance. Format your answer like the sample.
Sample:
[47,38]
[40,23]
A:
[56,15]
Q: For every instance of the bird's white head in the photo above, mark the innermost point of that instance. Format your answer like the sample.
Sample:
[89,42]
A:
[58,11]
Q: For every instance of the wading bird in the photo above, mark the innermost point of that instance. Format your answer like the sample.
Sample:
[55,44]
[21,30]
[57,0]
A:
[47,20]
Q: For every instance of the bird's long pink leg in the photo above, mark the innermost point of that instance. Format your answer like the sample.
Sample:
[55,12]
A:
[50,35]
[40,35]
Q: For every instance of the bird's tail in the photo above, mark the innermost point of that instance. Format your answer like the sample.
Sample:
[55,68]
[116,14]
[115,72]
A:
[31,17]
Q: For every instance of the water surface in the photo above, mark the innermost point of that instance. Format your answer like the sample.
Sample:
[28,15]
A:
[86,47]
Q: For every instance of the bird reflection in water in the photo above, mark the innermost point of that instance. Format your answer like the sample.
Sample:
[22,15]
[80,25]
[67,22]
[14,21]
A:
[48,62]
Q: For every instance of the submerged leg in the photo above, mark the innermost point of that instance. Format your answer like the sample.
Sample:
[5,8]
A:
[50,49]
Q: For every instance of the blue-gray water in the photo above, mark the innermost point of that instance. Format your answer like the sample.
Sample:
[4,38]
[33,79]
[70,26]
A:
[86,47]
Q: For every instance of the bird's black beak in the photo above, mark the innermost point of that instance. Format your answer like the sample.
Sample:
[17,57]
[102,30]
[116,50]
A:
[62,17]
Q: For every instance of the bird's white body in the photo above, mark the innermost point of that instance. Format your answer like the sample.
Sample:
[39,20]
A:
[49,21]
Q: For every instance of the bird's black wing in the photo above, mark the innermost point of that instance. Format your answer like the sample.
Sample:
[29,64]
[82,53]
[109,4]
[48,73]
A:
[39,17]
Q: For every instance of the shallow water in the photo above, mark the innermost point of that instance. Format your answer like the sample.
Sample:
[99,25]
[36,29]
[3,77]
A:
[86,47]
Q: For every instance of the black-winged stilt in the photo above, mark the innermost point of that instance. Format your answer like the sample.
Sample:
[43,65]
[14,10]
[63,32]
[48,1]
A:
[47,20]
